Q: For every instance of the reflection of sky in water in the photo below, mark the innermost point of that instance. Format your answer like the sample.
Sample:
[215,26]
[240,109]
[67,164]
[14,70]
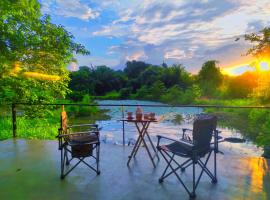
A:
[112,129]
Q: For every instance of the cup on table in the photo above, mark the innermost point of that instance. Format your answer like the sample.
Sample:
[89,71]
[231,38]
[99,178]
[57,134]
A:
[152,115]
[146,116]
[139,116]
[129,114]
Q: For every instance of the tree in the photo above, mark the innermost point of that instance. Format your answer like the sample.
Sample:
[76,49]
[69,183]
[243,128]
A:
[210,78]
[242,86]
[150,75]
[261,43]
[261,50]
[176,75]
[157,90]
[134,68]
[34,54]
[81,83]
[107,80]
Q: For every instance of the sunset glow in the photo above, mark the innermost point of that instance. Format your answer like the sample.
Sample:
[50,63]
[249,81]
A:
[39,76]
[263,65]
[36,75]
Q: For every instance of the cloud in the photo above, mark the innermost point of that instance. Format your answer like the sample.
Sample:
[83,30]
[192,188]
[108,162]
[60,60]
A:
[140,55]
[175,54]
[189,32]
[92,61]
[69,8]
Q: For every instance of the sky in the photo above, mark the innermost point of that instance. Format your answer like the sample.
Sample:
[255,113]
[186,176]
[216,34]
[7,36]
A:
[187,32]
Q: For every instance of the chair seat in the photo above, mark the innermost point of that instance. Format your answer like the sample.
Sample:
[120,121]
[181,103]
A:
[178,148]
[82,139]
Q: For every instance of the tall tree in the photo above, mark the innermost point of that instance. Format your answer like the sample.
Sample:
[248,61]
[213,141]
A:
[261,51]
[134,68]
[34,53]
[260,41]
[210,78]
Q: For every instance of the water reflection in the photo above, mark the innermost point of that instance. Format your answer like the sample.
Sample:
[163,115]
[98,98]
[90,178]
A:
[174,119]
[256,178]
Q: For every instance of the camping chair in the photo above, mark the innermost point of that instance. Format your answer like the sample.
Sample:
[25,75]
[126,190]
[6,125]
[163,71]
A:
[193,147]
[77,145]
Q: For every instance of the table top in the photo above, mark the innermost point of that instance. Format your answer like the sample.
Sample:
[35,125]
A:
[136,120]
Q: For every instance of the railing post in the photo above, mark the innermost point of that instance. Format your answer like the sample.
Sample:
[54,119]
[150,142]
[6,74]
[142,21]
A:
[14,121]
[123,124]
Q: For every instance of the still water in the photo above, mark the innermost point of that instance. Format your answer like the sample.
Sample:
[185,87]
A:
[173,120]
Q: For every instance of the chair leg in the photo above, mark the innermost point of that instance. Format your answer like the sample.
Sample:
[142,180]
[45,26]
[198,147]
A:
[67,160]
[164,172]
[97,157]
[185,164]
[173,170]
[62,176]
[193,161]
[215,167]
[193,194]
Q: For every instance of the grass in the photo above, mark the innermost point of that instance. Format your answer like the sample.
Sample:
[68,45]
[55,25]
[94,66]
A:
[47,127]
[113,95]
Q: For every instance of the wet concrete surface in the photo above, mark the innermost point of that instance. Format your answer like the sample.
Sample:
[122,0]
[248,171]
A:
[30,169]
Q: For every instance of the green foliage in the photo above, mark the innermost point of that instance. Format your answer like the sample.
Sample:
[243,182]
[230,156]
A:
[107,80]
[113,95]
[134,68]
[259,126]
[81,83]
[176,75]
[34,54]
[261,41]
[210,78]
[177,96]
[242,86]
[125,93]
[150,75]
[143,93]
[95,81]
[157,90]
[83,111]
[150,83]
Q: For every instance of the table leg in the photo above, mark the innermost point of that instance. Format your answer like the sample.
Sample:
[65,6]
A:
[137,144]
[156,152]
[133,150]
[142,131]
[148,151]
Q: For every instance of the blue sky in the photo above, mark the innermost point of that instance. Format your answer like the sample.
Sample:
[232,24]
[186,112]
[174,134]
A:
[187,32]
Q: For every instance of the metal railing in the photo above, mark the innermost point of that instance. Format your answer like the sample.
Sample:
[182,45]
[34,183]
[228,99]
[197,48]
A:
[122,106]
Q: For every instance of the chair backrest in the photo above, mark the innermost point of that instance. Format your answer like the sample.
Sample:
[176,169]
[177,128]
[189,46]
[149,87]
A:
[64,120]
[203,128]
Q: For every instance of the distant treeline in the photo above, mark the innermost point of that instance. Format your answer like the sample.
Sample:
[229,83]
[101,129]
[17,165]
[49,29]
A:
[170,84]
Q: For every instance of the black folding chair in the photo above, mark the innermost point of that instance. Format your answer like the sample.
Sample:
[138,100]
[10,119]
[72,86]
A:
[193,147]
[77,145]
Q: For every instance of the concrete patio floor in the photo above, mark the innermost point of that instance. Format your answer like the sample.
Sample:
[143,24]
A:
[30,169]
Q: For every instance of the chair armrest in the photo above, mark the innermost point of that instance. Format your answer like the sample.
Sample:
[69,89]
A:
[163,137]
[187,143]
[185,136]
[77,133]
[82,125]
[186,129]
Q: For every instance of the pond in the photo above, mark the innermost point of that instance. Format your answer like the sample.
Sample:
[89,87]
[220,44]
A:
[173,120]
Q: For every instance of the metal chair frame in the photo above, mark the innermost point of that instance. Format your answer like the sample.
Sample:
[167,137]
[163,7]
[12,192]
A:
[193,159]
[64,145]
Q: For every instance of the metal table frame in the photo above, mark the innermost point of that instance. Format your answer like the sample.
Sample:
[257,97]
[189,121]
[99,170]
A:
[142,127]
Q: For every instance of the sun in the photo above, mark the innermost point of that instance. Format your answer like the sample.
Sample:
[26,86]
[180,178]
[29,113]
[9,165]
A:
[258,66]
